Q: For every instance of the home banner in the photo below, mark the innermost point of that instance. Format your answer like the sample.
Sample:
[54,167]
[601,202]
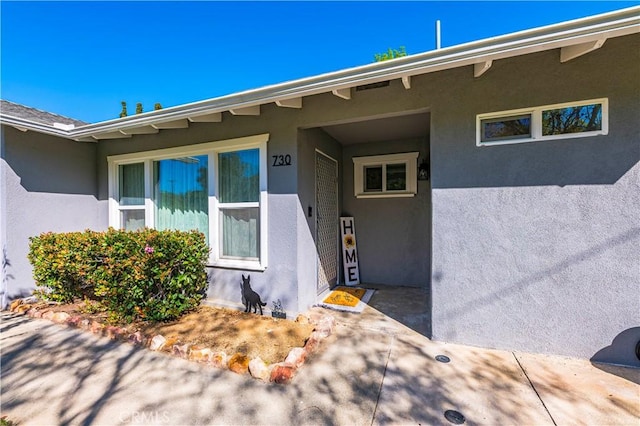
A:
[349,251]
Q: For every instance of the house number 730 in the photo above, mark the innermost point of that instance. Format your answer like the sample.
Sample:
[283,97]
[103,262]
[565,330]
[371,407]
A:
[281,160]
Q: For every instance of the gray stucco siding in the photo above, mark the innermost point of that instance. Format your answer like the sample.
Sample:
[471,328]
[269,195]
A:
[535,245]
[310,140]
[50,186]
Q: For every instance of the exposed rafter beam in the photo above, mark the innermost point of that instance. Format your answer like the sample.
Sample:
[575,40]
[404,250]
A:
[290,103]
[252,110]
[85,139]
[22,129]
[571,52]
[111,135]
[342,93]
[215,117]
[481,67]
[176,124]
[144,130]
[406,82]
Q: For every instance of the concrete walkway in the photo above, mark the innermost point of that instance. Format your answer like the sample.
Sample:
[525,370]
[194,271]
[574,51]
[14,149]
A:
[373,370]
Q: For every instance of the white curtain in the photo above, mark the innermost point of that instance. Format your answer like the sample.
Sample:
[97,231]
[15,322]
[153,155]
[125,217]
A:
[239,183]
[132,184]
[180,194]
[131,192]
[240,232]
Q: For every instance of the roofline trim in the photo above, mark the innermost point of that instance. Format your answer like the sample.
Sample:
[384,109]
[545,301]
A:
[598,27]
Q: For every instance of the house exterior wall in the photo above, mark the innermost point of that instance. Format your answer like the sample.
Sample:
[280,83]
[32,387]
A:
[528,247]
[48,184]
[403,224]
[310,140]
[535,245]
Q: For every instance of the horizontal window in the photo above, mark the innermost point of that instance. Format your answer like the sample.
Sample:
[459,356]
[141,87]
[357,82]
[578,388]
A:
[218,188]
[382,176]
[561,121]
[507,128]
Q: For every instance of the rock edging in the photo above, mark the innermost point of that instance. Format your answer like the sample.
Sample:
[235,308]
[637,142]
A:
[281,372]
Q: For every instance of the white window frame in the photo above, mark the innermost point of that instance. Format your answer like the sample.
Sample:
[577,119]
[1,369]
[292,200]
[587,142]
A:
[212,149]
[409,159]
[536,123]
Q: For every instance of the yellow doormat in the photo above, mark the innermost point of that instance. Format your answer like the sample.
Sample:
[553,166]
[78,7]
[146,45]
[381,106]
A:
[345,296]
[349,299]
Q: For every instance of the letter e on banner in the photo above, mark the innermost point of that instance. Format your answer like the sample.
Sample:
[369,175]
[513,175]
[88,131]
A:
[349,251]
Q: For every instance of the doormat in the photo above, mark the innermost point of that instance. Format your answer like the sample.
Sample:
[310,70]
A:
[347,299]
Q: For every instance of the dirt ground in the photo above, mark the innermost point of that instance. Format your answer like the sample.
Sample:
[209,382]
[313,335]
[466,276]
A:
[220,329]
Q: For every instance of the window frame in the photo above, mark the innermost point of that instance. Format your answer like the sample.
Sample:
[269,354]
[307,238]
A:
[409,159]
[536,123]
[211,149]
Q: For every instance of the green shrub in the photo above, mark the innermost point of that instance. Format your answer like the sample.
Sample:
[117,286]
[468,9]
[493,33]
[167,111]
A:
[148,274]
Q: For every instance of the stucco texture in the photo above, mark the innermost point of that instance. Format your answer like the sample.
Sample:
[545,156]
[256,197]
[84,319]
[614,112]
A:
[50,186]
[535,246]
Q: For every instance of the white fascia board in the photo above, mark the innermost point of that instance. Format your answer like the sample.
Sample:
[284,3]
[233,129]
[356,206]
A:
[215,117]
[144,130]
[111,135]
[613,24]
[252,110]
[24,125]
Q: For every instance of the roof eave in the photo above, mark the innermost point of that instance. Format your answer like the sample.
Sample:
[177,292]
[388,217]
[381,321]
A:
[599,27]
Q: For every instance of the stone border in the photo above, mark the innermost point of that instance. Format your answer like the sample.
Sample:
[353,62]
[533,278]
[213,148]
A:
[281,372]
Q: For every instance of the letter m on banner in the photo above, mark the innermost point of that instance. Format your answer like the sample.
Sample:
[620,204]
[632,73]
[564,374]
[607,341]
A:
[349,251]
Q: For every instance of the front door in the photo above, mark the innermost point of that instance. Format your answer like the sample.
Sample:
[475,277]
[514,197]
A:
[326,220]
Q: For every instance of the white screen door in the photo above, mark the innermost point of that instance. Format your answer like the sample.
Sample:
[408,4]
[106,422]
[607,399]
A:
[326,220]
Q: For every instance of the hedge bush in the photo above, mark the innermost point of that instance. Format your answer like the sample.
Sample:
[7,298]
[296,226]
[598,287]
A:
[147,274]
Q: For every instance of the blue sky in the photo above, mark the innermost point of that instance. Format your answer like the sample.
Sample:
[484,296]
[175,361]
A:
[81,59]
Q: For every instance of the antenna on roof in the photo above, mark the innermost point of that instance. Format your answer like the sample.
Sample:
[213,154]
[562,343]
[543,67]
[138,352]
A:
[438,34]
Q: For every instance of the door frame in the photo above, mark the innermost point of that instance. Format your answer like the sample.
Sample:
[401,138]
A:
[337,217]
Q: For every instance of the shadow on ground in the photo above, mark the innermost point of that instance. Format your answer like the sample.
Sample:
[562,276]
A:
[371,371]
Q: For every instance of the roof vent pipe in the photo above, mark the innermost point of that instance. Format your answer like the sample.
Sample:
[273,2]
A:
[438,34]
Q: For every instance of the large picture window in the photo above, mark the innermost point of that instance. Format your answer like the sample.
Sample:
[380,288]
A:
[217,188]
[561,121]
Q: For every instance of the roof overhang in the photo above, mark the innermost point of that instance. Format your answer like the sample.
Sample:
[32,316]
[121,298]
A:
[574,38]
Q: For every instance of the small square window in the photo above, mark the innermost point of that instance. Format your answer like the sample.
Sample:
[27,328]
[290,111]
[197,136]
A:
[381,176]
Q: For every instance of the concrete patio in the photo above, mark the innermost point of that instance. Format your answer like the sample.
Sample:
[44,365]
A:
[373,370]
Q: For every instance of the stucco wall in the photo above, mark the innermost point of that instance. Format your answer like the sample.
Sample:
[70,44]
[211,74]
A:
[393,234]
[49,185]
[310,140]
[535,246]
